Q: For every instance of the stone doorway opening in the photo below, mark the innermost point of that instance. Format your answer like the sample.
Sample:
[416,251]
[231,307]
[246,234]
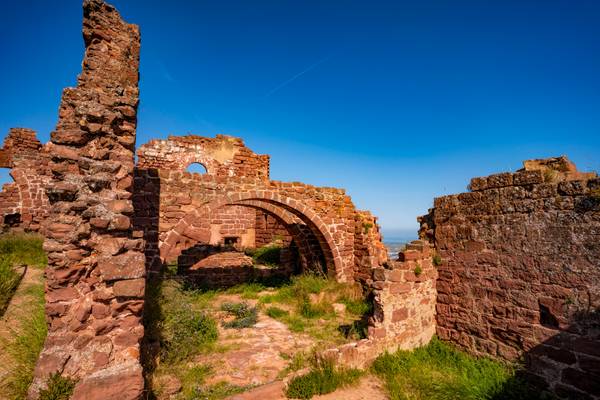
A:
[250,243]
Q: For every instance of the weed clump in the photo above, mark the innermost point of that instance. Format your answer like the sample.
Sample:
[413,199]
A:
[418,270]
[276,312]
[58,388]
[323,378]
[245,316]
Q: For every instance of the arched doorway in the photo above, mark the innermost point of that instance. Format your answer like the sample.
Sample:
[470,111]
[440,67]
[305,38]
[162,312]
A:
[219,227]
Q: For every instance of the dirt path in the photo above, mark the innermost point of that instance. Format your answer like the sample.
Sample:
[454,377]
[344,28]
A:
[14,314]
[369,388]
[255,355]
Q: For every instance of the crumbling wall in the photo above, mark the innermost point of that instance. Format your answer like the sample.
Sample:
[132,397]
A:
[23,203]
[369,251]
[520,271]
[221,156]
[404,294]
[95,276]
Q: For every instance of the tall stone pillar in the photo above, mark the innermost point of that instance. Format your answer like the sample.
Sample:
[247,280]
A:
[95,275]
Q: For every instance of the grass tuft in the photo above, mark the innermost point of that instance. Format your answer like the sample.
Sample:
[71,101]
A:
[58,388]
[323,378]
[276,312]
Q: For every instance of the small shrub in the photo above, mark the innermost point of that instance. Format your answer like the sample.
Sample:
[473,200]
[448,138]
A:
[276,312]
[418,270]
[367,227]
[58,388]
[323,378]
[437,260]
[245,316]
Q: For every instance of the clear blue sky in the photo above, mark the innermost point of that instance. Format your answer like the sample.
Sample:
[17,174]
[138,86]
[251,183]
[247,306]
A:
[398,102]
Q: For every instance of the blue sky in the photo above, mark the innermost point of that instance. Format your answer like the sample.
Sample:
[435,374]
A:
[398,102]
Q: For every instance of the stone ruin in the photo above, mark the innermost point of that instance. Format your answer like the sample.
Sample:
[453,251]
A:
[509,269]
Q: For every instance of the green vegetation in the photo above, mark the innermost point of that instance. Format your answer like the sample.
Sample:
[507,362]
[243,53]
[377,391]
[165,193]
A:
[23,248]
[26,338]
[177,320]
[245,316]
[367,227]
[247,290]
[276,312]
[305,304]
[323,378]
[58,388]
[15,249]
[439,371]
[9,280]
[266,255]
[437,260]
[418,270]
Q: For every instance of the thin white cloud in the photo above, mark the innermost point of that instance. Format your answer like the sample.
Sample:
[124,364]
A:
[298,75]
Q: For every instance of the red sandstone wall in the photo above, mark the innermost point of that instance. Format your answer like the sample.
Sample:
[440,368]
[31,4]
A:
[233,221]
[185,196]
[221,156]
[268,229]
[404,301]
[26,196]
[369,251]
[95,276]
[521,272]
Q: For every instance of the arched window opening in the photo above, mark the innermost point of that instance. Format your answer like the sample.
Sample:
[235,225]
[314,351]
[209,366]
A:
[196,168]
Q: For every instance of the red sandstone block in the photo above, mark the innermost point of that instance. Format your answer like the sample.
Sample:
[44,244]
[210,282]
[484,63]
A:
[408,255]
[400,314]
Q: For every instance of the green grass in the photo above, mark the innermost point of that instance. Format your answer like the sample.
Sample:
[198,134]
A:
[23,248]
[24,346]
[247,290]
[276,312]
[17,249]
[58,388]
[267,255]
[177,319]
[323,378]
[27,339]
[9,280]
[309,300]
[438,371]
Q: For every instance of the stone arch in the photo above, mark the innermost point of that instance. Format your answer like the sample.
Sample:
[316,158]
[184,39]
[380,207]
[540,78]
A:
[190,225]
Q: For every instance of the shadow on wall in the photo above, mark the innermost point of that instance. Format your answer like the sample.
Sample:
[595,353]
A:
[146,203]
[568,361]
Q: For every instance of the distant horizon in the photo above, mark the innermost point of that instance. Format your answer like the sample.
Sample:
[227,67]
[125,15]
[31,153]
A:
[396,102]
